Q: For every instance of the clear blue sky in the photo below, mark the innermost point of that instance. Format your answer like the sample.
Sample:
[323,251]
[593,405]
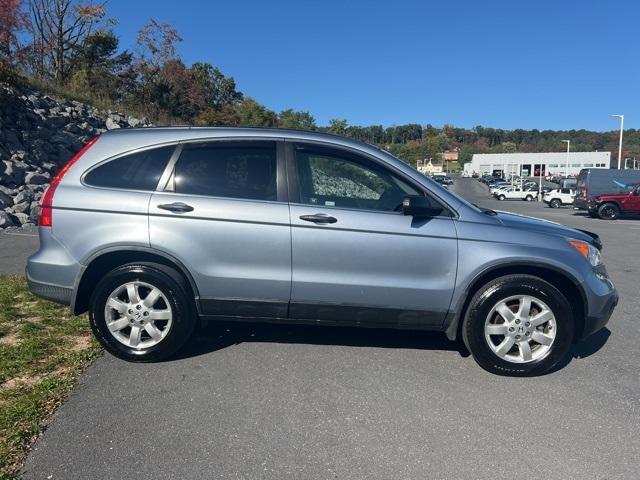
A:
[506,64]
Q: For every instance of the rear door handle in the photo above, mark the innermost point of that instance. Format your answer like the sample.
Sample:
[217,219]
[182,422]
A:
[177,207]
[319,218]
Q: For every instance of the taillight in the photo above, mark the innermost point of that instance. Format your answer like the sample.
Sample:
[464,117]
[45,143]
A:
[46,203]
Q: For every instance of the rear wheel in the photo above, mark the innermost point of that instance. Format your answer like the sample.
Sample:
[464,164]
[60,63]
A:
[142,312]
[518,325]
[555,203]
[608,211]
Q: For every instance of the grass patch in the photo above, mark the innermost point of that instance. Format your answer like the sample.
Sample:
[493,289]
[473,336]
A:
[43,349]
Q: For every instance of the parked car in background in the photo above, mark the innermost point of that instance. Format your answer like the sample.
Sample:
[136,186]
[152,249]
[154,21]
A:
[498,186]
[594,182]
[515,193]
[152,230]
[489,179]
[612,206]
[559,197]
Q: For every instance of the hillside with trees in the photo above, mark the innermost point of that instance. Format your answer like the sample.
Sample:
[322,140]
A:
[69,49]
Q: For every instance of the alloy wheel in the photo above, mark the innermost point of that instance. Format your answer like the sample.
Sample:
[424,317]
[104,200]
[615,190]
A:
[520,329]
[608,212]
[138,315]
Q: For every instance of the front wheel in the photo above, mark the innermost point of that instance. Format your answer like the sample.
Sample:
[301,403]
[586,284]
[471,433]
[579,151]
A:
[608,211]
[501,197]
[555,203]
[518,325]
[529,198]
[142,312]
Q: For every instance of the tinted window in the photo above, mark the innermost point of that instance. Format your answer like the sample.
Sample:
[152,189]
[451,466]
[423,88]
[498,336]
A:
[137,171]
[228,170]
[339,179]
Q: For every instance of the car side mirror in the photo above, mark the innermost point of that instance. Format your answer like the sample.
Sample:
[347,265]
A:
[419,207]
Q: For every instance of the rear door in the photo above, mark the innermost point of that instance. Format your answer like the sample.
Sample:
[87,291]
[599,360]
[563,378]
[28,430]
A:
[356,258]
[223,214]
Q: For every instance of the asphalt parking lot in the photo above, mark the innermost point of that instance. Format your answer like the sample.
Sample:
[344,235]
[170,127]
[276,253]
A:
[276,402]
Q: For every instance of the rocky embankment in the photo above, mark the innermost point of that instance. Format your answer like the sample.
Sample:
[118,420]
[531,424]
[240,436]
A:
[39,134]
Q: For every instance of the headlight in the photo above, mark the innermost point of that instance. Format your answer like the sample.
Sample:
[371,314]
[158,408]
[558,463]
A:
[587,250]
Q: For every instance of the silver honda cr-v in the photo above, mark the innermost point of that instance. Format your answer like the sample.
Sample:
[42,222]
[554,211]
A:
[152,229]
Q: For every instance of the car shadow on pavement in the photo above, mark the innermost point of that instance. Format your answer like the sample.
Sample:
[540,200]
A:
[585,348]
[219,335]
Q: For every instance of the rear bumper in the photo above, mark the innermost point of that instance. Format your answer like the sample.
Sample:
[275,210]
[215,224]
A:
[51,271]
[55,293]
[580,203]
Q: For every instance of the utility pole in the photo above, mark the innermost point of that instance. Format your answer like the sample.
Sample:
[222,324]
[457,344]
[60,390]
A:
[621,117]
[568,142]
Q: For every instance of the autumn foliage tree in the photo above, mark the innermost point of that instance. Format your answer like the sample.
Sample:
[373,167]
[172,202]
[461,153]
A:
[13,20]
[59,27]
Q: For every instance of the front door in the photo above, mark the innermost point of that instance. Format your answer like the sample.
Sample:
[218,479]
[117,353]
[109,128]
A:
[356,258]
[632,202]
[224,215]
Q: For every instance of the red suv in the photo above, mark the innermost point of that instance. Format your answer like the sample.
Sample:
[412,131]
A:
[610,206]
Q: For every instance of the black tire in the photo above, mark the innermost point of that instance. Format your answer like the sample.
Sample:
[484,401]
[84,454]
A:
[555,203]
[501,197]
[529,198]
[608,211]
[504,287]
[175,290]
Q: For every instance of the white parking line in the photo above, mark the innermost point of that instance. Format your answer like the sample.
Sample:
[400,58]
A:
[22,234]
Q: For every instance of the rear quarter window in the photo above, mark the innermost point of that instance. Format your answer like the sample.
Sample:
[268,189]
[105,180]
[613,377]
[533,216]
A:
[136,171]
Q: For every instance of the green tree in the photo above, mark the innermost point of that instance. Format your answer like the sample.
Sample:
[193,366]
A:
[337,126]
[98,68]
[253,114]
[296,119]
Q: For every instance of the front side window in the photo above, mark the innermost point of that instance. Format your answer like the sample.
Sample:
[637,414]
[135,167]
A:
[339,179]
[232,170]
[136,171]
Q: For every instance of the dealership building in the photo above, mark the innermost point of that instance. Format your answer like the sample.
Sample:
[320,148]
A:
[529,164]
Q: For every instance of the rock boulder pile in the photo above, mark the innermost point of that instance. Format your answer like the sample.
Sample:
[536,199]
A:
[38,135]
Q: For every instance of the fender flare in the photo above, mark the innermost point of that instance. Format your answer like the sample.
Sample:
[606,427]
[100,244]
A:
[131,248]
[454,317]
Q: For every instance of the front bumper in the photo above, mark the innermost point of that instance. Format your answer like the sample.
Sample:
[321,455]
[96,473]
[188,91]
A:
[602,298]
[598,320]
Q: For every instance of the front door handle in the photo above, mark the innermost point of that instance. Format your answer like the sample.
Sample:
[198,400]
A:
[177,207]
[319,218]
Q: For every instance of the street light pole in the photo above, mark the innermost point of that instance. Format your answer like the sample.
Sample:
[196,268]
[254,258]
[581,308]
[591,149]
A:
[568,142]
[621,117]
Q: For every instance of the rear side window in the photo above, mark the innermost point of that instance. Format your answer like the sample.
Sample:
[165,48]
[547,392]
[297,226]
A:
[232,170]
[137,171]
